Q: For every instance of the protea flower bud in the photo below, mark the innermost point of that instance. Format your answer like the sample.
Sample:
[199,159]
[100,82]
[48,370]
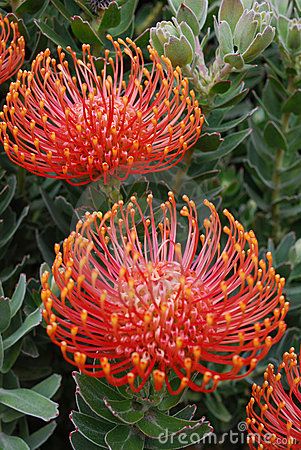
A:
[243,30]
[174,40]
[177,39]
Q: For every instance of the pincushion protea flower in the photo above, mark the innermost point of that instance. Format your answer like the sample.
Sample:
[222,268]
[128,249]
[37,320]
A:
[135,303]
[99,123]
[274,411]
[12,50]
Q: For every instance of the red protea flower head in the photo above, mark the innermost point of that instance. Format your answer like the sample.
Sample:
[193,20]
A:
[274,411]
[12,50]
[99,122]
[134,301]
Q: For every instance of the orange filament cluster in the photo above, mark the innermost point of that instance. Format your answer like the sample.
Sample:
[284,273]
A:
[274,411]
[137,304]
[99,122]
[12,50]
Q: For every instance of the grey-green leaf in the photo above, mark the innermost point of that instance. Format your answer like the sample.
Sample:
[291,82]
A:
[39,437]
[124,411]
[12,443]
[18,295]
[29,402]
[124,438]
[274,136]
[4,314]
[230,11]
[29,323]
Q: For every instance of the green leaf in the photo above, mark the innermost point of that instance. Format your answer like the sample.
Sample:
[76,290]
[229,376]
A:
[18,295]
[155,423]
[231,98]
[293,103]
[168,400]
[7,193]
[90,427]
[5,315]
[220,87]
[216,407]
[61,8]
[209,142]
[245,30]
[282,252]
[124,438]
[83,407]
[58,39]
[186,15]
[12,443]
[10,231]
[259,44]
[274,136]
[39,437]
[1,352]
[232,123]
[56,209]
[225,38]
[83,31]
[30,6]
[29,402]
[10,356]
[29,323]
[191,436]
[230,11]
[227,146]
[127,14]
[293,293]
[291,338]
[186,413]
[179,51]
[48,387]
[93,391]
[200,9]
[111,17]
[124,410]
[235,60]
[79,442]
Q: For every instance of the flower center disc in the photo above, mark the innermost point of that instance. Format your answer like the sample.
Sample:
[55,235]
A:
[158,305]
[102,131]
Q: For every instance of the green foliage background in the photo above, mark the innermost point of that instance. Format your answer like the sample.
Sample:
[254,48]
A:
[248,158]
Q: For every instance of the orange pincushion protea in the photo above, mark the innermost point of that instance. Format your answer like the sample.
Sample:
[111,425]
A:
[12,50]
[99,123]
[274,411]
[135,303]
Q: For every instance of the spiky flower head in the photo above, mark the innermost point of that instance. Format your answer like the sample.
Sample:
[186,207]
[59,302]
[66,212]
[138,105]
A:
[135,303]
[98,123]
[12,50]
[274,411]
